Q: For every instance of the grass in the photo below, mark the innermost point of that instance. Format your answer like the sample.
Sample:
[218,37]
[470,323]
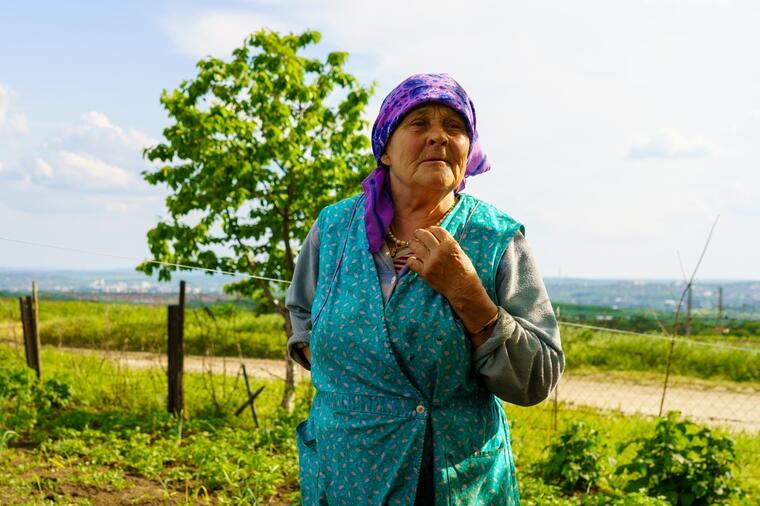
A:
[229,329]
[593,351]
[704,322]
[111,440]
[222,329]
[113,436]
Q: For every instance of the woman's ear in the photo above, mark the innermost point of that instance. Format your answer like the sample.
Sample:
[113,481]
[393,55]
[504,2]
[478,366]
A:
[385,159]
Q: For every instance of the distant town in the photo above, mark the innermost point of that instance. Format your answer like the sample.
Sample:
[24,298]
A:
[661,295]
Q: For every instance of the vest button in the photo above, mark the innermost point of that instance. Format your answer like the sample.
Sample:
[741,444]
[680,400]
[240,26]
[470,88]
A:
[420,409]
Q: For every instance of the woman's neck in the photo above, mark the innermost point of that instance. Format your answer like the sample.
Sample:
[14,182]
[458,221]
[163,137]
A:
[418,211]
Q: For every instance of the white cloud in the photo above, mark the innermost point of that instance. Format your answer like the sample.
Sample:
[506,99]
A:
[97,119]
[669,144]
[90,154]
[214,33]
[91,172]
[95,130]
[43,168]
[19,123]
[755,113]
[117,207]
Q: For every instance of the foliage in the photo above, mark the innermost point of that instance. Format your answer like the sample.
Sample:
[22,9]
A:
[258,145]
[22,397]
[575,461]
[114,430]
[107,435]
[645,320]
[684,462]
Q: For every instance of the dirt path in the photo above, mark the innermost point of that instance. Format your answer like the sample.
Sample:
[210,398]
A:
[736,410]
[711,406]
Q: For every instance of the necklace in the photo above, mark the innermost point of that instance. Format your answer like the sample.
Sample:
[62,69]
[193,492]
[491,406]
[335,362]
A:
[399,244]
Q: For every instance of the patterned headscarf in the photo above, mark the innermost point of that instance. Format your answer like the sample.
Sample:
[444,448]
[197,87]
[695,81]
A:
[415,90]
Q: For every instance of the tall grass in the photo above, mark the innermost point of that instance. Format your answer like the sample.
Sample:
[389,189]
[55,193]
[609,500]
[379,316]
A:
[222,329]
[605,351]
[233,330]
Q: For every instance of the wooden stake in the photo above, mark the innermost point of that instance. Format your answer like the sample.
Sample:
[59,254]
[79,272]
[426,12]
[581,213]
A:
[31,334]
[175,357]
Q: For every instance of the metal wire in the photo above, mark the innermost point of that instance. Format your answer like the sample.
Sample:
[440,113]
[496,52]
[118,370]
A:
[657,336]
[168,264]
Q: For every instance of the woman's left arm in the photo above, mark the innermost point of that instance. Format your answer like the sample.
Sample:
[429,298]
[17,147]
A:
[522,360]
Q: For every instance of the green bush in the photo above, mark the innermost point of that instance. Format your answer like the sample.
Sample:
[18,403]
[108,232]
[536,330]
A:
[575,460]
[684,462]
[22,396]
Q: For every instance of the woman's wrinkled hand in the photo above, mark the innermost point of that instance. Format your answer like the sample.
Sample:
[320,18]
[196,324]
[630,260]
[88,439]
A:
[439,260]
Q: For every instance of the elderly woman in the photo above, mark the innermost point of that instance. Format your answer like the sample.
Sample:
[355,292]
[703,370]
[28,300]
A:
[417,307]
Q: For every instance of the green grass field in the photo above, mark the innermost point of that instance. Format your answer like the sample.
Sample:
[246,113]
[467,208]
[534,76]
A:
[220,329]
[112,441]
[232,330]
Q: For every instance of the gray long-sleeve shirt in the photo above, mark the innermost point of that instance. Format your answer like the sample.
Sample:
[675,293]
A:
[522,360]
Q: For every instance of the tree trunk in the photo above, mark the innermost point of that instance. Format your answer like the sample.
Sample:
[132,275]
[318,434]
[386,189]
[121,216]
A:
[289,393]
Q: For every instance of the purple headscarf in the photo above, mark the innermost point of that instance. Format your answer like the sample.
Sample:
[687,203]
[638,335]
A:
[415,90]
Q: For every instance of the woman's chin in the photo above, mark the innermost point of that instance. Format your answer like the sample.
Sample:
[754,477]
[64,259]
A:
[437,181]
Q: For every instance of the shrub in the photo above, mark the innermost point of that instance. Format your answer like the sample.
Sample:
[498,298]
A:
[22,396]
[575,460]
[684,462]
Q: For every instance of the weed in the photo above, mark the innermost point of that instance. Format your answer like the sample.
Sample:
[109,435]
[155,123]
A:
[684,462]
[575,462]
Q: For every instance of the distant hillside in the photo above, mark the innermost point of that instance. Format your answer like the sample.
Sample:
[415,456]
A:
[741,299]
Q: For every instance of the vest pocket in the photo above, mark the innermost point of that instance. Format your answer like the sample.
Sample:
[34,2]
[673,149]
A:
[481,478]
[308,463]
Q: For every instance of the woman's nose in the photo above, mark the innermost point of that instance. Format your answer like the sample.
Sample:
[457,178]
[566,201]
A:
[437,136]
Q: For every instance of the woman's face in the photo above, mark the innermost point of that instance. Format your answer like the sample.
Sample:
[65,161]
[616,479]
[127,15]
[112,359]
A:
[428,150]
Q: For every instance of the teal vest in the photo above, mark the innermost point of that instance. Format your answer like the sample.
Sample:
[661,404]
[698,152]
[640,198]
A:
[380,370]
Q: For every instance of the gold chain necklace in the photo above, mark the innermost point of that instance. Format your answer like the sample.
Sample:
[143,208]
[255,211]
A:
[399,244]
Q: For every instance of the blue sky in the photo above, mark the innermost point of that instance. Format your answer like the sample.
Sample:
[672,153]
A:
[617,130]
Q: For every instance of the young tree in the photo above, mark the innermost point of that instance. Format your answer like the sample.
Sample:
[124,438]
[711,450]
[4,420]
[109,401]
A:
[258,145]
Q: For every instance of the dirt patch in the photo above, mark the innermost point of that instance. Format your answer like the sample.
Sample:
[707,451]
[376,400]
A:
[256,367]
[714,407]
[138,491]
[36,480]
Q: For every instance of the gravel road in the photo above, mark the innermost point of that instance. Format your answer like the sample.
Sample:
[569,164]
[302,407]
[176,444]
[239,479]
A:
[711,406]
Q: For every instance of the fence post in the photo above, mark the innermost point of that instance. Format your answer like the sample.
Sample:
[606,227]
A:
[29,323]
[176,320]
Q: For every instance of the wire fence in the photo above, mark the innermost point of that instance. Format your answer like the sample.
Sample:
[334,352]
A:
[712,382]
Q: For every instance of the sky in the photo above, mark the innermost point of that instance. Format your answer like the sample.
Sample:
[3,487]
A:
[617,131]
